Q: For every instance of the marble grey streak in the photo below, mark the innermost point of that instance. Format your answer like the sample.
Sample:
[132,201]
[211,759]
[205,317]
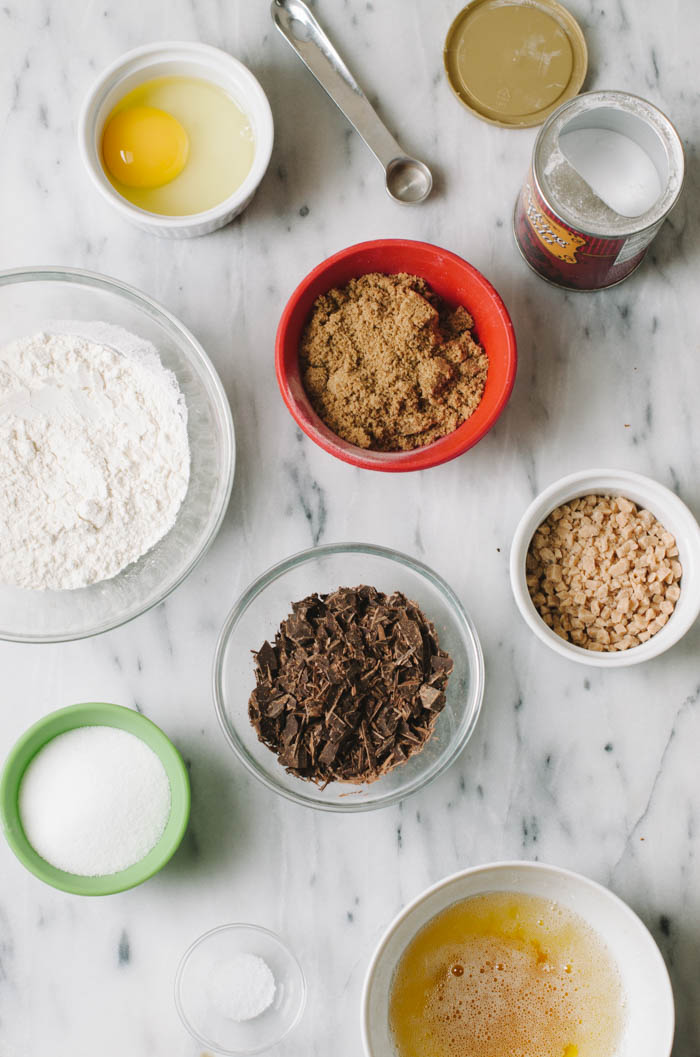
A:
[595,771]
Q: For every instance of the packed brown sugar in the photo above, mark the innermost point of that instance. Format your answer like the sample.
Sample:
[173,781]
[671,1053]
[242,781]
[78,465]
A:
[388,365]
[506,975]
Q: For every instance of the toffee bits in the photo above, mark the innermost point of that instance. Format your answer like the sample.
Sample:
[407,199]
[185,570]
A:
[352,686]
[603,574]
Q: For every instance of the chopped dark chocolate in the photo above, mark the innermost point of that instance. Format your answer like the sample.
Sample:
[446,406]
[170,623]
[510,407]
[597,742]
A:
[352,686]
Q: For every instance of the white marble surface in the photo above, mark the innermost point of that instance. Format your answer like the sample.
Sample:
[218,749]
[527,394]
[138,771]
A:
[592,770]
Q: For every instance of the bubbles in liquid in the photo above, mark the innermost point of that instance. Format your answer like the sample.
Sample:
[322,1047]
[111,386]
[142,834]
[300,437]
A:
[505,973]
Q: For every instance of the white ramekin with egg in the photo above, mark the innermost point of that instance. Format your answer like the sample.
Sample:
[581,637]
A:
[198,63]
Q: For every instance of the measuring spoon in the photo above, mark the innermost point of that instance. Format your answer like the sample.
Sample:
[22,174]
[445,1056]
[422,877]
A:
[408,180]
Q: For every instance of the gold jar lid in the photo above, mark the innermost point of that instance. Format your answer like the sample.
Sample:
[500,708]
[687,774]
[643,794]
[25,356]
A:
[512,62]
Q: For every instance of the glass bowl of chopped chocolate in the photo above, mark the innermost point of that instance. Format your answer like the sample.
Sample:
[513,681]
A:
[348,677]
[395,355]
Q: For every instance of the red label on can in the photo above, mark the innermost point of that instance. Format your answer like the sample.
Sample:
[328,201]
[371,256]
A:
[569,257]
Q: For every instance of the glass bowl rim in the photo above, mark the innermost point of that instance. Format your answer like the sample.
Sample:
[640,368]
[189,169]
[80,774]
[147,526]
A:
[475,693]
[236,926]
[97,281]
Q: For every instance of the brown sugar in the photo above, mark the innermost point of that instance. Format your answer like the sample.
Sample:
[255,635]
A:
[388,365]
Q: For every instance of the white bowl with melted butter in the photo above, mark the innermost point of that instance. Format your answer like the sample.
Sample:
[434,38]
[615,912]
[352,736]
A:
[646,1021]
[165,64]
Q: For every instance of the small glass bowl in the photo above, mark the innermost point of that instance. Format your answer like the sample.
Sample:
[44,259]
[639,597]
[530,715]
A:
[257,616]
[193,985]
[32,300]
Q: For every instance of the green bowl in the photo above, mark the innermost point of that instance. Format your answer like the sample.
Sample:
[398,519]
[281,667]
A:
[94,714]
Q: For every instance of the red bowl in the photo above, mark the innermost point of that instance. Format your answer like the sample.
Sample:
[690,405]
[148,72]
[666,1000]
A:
[458,283]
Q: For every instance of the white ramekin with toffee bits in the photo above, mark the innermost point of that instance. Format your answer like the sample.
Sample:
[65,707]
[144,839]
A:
[605,567]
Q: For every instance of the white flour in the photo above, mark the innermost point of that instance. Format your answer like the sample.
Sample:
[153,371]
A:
[95,457]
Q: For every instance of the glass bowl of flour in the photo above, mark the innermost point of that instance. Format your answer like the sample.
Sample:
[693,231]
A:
[118,456]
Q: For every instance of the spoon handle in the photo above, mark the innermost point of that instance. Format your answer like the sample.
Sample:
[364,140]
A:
[299,27]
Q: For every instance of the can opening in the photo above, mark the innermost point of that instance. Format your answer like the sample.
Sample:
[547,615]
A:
[620,156]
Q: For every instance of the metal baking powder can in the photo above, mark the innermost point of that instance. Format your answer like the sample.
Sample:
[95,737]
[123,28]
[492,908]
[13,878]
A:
[564,230]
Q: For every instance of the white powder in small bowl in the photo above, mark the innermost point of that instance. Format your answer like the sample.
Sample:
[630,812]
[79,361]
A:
[94,801]
[242,988]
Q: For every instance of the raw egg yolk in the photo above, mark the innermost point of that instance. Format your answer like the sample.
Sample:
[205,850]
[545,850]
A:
[144,147]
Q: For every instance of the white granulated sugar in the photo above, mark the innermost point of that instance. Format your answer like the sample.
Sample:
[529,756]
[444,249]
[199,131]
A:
[94,801]
[96,461]
[242,988]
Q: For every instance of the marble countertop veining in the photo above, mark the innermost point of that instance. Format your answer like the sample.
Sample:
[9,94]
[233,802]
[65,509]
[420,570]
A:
[592,770]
